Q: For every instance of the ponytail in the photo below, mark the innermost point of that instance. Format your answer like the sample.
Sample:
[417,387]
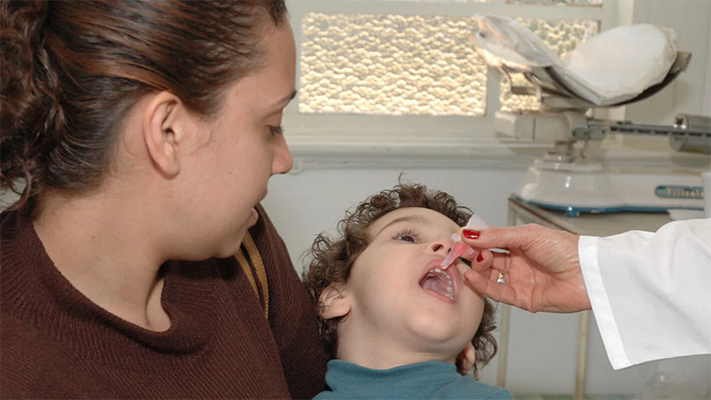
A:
[31,116]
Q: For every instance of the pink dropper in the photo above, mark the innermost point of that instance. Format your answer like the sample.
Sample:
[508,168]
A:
[459,246]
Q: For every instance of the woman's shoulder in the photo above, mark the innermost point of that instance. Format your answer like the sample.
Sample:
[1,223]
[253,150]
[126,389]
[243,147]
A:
[31,364]
[21,253]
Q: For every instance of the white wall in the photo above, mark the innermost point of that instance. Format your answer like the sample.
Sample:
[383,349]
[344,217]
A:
[707,86]
[7,198]
[689,93]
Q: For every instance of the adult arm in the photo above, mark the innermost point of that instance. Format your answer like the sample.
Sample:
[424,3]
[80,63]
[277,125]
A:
[650,292]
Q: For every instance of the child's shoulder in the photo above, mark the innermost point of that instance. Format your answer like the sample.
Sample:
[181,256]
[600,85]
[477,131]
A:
[469,388]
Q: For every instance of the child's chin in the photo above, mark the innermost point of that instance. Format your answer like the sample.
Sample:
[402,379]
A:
[443,336]
[443,351]
[438,335]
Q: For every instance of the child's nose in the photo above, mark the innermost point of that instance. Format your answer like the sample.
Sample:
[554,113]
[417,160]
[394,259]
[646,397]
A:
[440,246]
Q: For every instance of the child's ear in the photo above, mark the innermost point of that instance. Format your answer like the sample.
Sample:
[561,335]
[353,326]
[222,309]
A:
[333,302]
[467,357]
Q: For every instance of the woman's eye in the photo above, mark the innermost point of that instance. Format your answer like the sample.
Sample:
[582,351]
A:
[276,130]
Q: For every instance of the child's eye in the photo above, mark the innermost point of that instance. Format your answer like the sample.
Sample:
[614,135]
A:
[465,261]
[406,236]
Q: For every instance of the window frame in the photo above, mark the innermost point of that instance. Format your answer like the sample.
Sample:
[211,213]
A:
[313,134]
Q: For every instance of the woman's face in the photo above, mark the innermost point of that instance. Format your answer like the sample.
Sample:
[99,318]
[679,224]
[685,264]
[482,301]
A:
[243,147]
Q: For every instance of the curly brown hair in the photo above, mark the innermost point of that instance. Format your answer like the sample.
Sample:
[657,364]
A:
[333,258]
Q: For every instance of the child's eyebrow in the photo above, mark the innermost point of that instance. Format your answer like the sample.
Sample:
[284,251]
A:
[418,219]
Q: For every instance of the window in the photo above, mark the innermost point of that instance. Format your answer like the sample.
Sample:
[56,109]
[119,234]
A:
[382,70]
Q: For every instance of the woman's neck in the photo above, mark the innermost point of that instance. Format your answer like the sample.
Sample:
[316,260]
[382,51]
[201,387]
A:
[104,248]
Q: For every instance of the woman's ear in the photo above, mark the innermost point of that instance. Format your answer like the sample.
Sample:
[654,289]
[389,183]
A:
[467,357]
[334,303]
[166,125]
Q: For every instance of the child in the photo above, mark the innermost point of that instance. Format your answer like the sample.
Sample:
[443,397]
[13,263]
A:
[395,325]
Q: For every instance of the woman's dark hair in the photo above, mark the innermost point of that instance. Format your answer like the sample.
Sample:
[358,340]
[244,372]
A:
[72,70]
[333,258]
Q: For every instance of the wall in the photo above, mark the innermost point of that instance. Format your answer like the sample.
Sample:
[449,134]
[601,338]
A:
[7,198]
[690,92]
[707,91]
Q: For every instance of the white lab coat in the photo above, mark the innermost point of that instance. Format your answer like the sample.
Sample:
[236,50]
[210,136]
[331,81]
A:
[651,292]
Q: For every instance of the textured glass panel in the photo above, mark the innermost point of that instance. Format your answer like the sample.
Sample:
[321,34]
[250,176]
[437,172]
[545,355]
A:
[390,64]
[510,102]
[560,35]
[558,2]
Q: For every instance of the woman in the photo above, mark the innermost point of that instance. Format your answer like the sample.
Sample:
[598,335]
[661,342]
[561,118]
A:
[145,132]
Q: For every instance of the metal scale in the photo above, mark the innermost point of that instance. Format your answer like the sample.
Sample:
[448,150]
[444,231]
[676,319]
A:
[567,178]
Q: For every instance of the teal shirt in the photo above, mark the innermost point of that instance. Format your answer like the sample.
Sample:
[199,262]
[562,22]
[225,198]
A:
[427,380]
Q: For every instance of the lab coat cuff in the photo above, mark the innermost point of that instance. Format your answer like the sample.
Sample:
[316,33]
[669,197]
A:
[588,253]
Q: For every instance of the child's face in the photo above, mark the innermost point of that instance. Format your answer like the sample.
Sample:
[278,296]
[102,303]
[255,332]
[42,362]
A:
[393,303]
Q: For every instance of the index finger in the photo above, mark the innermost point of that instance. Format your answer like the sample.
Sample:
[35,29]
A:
[500,238]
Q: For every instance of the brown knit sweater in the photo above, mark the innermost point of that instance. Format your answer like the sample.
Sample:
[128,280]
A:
[55,343]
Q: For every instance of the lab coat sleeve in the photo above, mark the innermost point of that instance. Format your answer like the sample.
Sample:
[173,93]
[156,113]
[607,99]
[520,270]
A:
[651,292]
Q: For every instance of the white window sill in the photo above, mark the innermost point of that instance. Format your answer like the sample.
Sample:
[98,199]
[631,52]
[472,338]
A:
[398,151]
[427,152]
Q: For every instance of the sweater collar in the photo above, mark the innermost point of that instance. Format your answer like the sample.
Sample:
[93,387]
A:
[34,289]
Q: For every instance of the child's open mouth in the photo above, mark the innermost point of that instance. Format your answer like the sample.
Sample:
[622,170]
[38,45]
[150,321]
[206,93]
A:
[439,281]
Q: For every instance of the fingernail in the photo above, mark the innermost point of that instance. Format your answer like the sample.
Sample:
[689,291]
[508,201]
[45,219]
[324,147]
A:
[479,258]
[471,234]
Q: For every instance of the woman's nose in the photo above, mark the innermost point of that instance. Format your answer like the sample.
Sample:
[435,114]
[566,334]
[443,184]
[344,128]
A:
[281,161]
[440,246]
